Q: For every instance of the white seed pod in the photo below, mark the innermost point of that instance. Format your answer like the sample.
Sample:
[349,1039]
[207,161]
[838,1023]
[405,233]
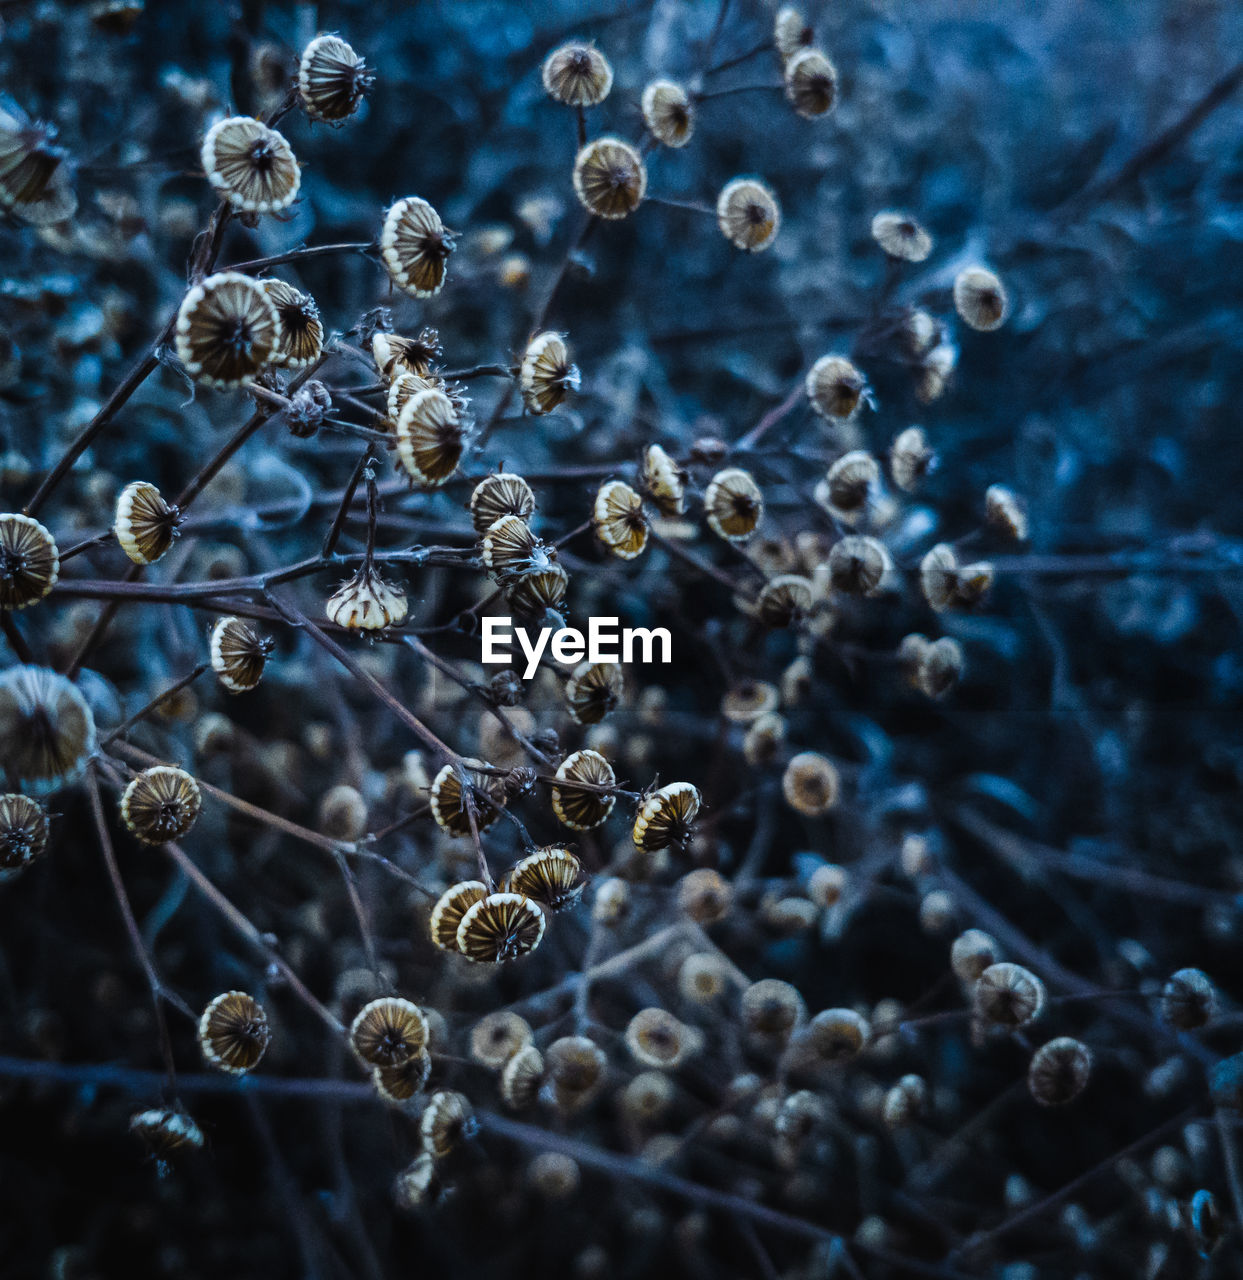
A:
[250,165]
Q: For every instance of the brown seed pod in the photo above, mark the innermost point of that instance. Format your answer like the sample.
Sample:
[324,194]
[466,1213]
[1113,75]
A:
[395,355]
[610,178]
[430,438]
[47,730]
[250,165]
[811,784]
[227,330]
[366,603]
[668,113]
[575,1064]
[399,1083]
[581,809]
[810,83]
[835,387]
[791,32]
[447,1121]
[23,832]
[342,813]
[165,1131]
[578,75]
[416,1185]
[1004,511]
[656,1038]
[403,388]
[238,654]
[502,927]
[301,330]
[1059,1071]
[552,876]
[1188,1000]
[748,214]
[940,667]
[35,180]
[521,1078]
[145,524]
[619,519]
[663,480]
[733,504]
[161,804]
[388,1032]
[415,247]
[784,601]
[764,740]
[535,593]
[29,561]
[547,374]
[901,237]
[835,1035]
[449,807]
[665,817]
[972,953]
[510,548]
[496,1037]
[593,691]
[858,565]
[980,298]
[498,495]
[704,895]
[948,585]
[911,458]
[451,907]
[772,1009]
[748,700]
[332,79]
[1007,995]
[234,1033]
[850,486]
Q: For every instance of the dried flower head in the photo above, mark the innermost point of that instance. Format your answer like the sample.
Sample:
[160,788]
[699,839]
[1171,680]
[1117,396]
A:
[496,1037]
[668,113]
[784,601]
[811,83]
[552,876]
[656,1038]
[450,908]
[1007,995]
[1059,1071]
[29,561]
[165,1131]
[858,565]
[972,953]
[1188,1000]
[332,79]
[521,1078]
[663,480]
[901,237]
[388,1032]
[827,885]
[835,1035]
[834,387]
[612,901]
[583,807]
[811,784]
[772,1009]
[161,804]
[415,247]
[1004,511]
[145,524]
[575,1067]
[366,602]
[416,1185]
[980,298]
[447,1121]
[619,520]
[578,75]
[250,165]
[610,178]
[430,437]
[748,700]
[748,214]
[904,1102]
[502,927]
[593,691]
[911,458]
[666,817]
[35,182]
[733,504]
[448,803]
[395,355]
[234,1033]
[238,654]
[703,977]
[301,330]
[227,330]
[23,832]
[47,730]
[850,486]
[791,31]
[704,895]
[510,549]
[547,374]
[500,494]
[398,1083]
[947,584]
[538,592]
[308,407]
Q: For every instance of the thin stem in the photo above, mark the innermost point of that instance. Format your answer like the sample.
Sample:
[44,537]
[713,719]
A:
[151,706]
[301,254]
[17,642]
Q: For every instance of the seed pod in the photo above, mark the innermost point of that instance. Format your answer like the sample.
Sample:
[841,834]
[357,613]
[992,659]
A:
[904,1103]
[416,1185]
[574,1065]
[784,601]
[901,237]
[552,876]
[447,1121]
[227,330]
[593,691]
[343,813]
[610,178]
[521,1078]
[733,504]
[496,1037]
[415,247]
[366,603]
[835,1035]
[668,113]
[535,593]
[656,1038]
[911,458]
[665,817]
[619,520]
[547,374]
[29,561]
[858,565]
[811,83]
[449,807]
[34,172]
[703,978]
[811,784]
[161,804]
[663,480]
[1059,1071]
[980,298]
[502,927]
[578,75]
[145,524]
[308,407]
[1005,513]
[834,386]
[1188,1000]
[498,495]
[772,1009]
[398,1083]
[747,701]
[395,355]
[451,907]
[47,730]
[948,585]
[582,809]
[851,485]
[332,79]
[791,32]
[612,902]
[234,1033]
[250,166]
[238,654]
[1007,995]
[972,953]
[165,1131]
[23,833]
[388,1032]
[827,885]
[301,330]
[509,549]
[430,437]
[705,896]
[748,214]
